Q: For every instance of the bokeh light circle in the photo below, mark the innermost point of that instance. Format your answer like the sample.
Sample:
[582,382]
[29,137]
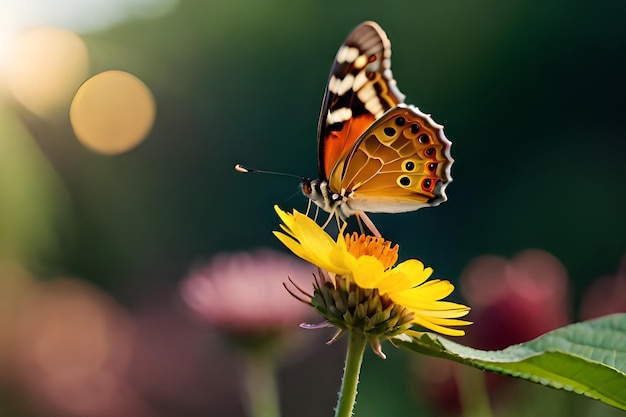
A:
[112,112]
[44,68]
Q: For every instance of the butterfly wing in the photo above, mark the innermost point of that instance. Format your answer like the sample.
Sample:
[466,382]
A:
[360,90]
[401,163]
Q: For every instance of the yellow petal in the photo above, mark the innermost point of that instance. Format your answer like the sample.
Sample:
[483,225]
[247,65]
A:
[308,240]
[406,275]
[449,322]
[437,328]
[422,304]
[432,290]
[294,246]
[415,270]
[445,310]
[367,271]
[285,217]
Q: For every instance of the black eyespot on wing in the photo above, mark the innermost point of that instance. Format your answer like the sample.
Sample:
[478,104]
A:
[427,184]
[389,131]
[415,128]
[400,121]
[409,165]
[429,152]
[432,167]
[405,181]
[423,138]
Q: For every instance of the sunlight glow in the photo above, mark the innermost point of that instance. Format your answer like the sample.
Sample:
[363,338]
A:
[45,66]
[18,17]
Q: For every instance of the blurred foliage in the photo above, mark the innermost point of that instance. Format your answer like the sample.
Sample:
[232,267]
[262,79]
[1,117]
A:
[531,94]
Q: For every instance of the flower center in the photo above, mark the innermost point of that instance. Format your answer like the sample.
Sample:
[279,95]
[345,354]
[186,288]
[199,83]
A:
[381,249]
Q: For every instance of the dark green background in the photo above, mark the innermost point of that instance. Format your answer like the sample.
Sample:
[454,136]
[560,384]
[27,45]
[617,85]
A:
[532,95]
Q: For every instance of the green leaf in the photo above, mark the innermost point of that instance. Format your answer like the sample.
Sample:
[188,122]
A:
[586,358]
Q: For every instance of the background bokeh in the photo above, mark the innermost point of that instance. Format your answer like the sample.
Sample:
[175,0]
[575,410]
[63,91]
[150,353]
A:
[532,96]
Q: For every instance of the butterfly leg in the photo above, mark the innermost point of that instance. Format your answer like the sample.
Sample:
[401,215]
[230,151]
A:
[330,217]
[308,210]
[368,222]
[361,228]
[340,221]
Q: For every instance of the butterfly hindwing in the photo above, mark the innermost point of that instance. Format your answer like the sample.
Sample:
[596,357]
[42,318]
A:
[360,90]
[401,163]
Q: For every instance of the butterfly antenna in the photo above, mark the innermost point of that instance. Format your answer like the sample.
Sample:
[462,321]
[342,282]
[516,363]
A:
[247,170]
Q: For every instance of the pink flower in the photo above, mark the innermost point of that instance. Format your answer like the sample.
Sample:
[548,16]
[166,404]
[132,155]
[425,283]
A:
[74,346]
[606,295]
[243,293]
[515,301]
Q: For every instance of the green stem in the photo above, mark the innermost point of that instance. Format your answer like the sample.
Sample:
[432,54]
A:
[354,359]
[260,386]
[473,392]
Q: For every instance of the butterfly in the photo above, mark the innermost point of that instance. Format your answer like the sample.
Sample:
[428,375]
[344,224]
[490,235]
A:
[376,154]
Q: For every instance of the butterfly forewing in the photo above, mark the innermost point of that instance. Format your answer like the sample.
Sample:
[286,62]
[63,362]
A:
[401,163]
[360,90]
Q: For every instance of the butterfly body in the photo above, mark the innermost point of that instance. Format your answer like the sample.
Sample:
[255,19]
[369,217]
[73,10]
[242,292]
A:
[375,153]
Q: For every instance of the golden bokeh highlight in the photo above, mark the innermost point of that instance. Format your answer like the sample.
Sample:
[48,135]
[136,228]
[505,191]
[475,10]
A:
[112,112]
[45,66]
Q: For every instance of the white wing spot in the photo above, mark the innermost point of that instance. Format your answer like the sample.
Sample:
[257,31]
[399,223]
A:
[359,81]
[366,93]
[338,116]
[341,54]
[375,107]
[332,84]
[352,54]
[346,84]
[347,54]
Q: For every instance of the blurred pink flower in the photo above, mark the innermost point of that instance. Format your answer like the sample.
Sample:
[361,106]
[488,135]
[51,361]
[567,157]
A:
[512,301]
[606,295]
[180,369]
[243,294]
[515,301]
[74,343]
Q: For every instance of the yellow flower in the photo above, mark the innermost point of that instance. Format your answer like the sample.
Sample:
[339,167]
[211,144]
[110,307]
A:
[360,289]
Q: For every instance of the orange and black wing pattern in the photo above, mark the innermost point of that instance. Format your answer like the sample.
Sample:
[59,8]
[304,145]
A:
[360,90]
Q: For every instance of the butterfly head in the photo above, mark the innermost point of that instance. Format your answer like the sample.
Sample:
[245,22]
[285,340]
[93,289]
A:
[312,189]
[307,186]
[318,192]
